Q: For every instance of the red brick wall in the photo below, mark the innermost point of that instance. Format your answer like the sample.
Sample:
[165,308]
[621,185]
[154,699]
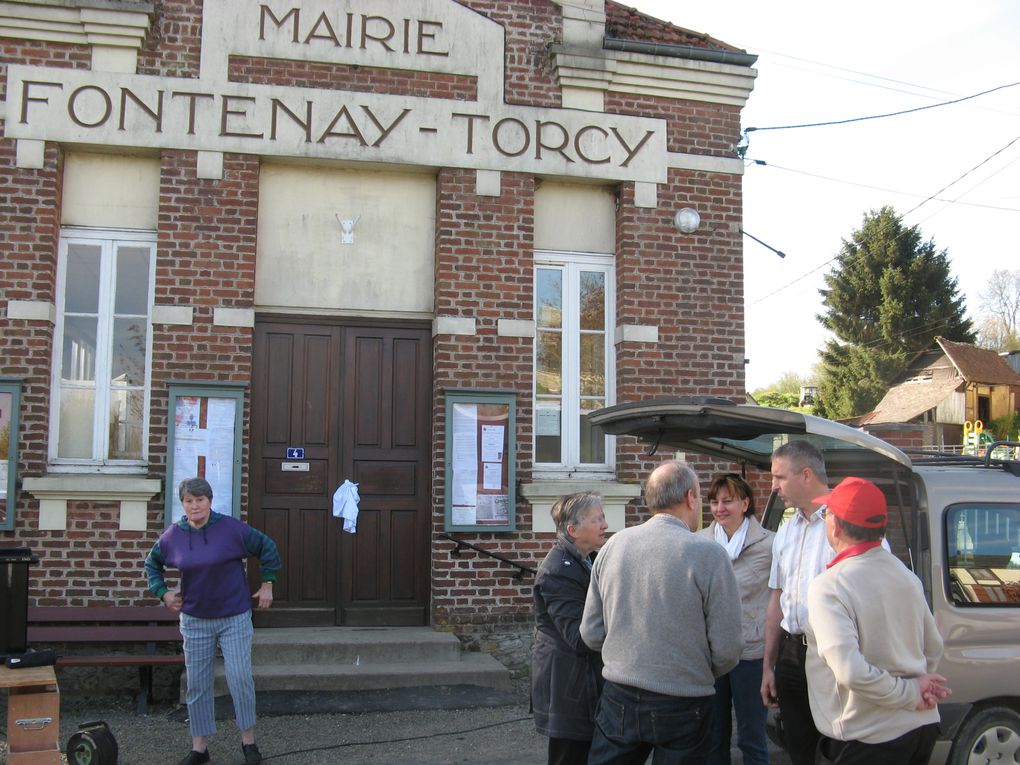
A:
[689,286]
[483,270]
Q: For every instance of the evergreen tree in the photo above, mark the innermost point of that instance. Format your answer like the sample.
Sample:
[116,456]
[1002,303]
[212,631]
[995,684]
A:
[890,295]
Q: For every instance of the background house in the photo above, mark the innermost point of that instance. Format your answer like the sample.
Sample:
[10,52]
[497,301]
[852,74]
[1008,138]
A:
[944,387]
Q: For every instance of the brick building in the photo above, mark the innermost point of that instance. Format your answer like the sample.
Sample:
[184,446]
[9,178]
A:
[409,244]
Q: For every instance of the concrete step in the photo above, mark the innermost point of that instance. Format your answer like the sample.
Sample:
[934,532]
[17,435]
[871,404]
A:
[338,659]
[350,645]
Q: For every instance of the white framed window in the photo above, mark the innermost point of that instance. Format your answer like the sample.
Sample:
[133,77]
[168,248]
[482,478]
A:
[102,349]
[574,360]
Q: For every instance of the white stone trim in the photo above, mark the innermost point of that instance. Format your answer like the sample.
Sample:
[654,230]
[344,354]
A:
[30,154]
[453,325]
[646,195]
[637,333]
[515,328]
[648,75]
[173,314]
[122,25]
[233,317]
[32,310]
[54,492]
[543,493]
[703,162]
[488,183]
[584,22]
[209,165]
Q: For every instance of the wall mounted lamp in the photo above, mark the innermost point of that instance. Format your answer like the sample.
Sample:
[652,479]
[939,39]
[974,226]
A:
[687,220]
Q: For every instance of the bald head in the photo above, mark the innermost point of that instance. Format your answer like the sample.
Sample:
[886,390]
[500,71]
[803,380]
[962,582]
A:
[673,488]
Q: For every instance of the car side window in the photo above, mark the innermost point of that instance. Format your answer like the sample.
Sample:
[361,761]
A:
[983,554]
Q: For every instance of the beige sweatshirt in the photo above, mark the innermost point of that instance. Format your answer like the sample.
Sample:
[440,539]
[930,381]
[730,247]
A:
[869,633]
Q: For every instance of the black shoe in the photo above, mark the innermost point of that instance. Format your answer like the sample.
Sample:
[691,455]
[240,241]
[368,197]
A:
[195,758]
[252,755]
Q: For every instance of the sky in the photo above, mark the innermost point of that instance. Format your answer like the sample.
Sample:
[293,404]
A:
[823,62]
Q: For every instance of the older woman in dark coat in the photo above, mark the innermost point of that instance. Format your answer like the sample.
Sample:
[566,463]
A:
[566,676]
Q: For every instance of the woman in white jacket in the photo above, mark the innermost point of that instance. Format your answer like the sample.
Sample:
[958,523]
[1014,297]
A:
[750,549]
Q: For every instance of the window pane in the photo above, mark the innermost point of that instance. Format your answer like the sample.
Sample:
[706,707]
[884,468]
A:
[593,300]
[549,378]
[128,352]
[593,439]
[549,301]
[593,365]
[78,362]
[548,431]
[983,550]
[81,289]
[76,423]
[126,424]
[132,281]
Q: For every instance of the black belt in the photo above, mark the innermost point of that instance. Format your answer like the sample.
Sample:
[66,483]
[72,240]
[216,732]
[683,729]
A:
[796,637]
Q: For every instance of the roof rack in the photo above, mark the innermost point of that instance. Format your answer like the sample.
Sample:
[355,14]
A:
[987,460]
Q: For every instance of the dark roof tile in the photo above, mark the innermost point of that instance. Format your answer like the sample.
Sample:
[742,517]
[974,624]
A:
[626,23]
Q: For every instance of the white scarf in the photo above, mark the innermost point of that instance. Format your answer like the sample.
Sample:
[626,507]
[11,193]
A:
[735,543]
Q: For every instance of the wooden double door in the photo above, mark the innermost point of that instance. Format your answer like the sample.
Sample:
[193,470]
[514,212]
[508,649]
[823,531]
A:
[356,399]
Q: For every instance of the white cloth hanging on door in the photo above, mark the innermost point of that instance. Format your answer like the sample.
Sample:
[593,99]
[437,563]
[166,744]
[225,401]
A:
[345,505]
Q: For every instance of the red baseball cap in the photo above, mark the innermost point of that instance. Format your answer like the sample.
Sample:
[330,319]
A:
[856,501]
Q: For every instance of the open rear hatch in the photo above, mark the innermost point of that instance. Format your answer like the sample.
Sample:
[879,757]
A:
[744,433]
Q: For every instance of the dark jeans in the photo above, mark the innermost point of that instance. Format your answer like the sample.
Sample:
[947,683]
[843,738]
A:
[631,722]
[741,690]
[791,687]
[912,748]
[566,751]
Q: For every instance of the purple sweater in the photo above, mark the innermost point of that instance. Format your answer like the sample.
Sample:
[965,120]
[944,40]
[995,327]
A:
[211,562]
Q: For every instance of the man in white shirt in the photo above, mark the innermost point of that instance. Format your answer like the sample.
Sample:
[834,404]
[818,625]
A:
[800,552]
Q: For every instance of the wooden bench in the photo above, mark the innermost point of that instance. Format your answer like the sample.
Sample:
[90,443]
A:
[145,627]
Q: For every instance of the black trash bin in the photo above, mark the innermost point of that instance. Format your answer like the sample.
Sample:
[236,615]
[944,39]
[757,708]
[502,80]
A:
[14,563]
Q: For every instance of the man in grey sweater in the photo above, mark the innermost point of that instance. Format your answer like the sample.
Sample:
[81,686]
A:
[664,610]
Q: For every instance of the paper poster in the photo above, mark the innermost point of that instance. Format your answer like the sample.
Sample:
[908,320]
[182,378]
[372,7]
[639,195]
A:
[204,448]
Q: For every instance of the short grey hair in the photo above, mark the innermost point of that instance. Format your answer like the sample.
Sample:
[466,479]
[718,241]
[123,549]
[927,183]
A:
[803,454]
[196,487]
[571,510]
[668,485]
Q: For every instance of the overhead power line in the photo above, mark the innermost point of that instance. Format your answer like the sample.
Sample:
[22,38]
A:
[905,230]
[883,116]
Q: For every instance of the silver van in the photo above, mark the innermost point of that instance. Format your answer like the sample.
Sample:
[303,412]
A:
[955,521]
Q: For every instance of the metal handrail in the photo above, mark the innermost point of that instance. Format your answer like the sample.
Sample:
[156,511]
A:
[461,544]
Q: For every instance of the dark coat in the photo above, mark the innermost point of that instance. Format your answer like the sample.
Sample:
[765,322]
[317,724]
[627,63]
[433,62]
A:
[566,675]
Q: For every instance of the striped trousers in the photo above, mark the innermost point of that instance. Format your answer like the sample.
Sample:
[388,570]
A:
[234,635]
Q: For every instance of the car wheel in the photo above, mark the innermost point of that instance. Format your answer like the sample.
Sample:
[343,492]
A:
[992,735]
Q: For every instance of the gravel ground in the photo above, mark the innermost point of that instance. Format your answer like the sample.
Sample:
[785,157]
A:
[499,735]
[495,730]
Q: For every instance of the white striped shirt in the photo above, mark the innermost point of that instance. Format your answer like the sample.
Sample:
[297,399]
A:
[800,552]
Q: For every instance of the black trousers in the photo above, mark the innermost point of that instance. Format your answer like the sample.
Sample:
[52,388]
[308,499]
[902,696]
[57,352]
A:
[791,687]
[912,748]
[566,751]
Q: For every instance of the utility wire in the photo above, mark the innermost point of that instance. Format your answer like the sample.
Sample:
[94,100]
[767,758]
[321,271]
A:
[905,230]
[845,182]
[882,116]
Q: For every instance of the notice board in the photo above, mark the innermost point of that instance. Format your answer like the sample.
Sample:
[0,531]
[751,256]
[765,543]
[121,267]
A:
[480,458]
[10,406]
[205,442]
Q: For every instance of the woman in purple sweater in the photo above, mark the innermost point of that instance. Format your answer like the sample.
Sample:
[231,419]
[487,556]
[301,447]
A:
[215,607]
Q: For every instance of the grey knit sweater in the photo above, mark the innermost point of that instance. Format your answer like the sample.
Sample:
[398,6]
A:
[664,609]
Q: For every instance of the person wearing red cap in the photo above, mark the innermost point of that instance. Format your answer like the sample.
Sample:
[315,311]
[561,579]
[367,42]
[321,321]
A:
[871,681]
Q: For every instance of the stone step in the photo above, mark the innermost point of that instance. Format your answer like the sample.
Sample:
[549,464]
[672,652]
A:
[337,659]
[471,669]
[351,645]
